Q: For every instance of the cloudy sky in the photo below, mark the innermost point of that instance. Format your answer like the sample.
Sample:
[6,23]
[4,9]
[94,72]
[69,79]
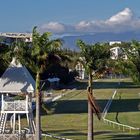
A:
[70,16]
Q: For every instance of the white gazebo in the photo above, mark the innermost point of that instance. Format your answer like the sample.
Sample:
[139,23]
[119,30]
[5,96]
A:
[16,80]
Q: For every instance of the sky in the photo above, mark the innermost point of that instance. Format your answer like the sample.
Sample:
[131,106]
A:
[70,16]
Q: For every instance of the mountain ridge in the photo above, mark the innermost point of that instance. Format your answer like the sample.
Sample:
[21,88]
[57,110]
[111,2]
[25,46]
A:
[70,41]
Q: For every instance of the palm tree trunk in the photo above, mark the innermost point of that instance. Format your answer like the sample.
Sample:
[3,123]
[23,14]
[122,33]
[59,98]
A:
[38,119]
[90,111]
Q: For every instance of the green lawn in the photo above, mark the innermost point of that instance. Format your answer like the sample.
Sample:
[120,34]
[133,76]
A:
[69,117]
[125,108]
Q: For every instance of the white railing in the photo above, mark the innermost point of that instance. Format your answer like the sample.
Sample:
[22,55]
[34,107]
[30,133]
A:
[51,136]
[14,106]
[56,137]
[119,125]
[108,104]
[17,137]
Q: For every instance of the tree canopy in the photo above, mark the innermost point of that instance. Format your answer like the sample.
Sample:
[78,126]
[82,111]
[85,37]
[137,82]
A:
[94,56]
[131,65]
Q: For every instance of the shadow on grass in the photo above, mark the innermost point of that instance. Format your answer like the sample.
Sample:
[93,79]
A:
[65,132]
[80,106]
[103,85]
[73,132]
[106,85]
[125,105]
[125,137]
[102,132]
[110,135]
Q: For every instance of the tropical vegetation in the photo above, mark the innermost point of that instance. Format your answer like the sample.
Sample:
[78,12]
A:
[45,55]
[94,58]
[131,65]
[36,56]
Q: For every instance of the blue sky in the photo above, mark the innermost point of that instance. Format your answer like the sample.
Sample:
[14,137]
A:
[69,16]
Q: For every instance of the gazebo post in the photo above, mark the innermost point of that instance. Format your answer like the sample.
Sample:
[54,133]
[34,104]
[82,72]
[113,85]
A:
[14,121]
[19,124]
[28,120]
[26,102]
[2,101]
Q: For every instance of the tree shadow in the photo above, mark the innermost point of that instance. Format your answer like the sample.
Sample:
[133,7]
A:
[110,135]
[79,85]
[80,106]
[125,105]
[102,132]
[66,132]
[74,132]
[117,113]
[125,137]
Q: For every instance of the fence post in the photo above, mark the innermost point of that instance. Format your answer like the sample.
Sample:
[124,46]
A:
[123,128]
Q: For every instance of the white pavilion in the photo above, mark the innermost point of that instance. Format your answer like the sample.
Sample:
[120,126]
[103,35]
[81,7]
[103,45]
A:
[16,80]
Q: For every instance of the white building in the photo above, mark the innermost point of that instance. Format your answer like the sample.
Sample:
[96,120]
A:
[8,38]
[116,51]
[81,71]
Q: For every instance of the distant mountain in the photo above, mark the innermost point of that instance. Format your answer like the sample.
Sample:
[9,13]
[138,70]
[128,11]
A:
[70,41]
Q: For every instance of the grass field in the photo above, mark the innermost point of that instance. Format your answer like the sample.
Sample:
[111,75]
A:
[129,107]
[69,117]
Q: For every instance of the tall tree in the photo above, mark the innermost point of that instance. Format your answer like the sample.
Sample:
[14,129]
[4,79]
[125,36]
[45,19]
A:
[73,55]
[37,56]
[4,56]
[131,65]
[94,58]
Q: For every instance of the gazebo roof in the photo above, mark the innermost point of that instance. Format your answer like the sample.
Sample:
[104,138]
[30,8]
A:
[16,79]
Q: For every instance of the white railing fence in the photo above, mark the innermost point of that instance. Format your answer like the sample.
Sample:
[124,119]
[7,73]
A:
[14,106]
[108,105]
[17,137]
[116,124]
[56,137]
[119,126]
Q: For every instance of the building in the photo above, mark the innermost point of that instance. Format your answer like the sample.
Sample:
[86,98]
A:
[16,80]
[8,38]
[81,70]
[116,51]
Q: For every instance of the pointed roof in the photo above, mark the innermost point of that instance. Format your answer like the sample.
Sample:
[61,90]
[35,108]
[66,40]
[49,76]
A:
[16,79]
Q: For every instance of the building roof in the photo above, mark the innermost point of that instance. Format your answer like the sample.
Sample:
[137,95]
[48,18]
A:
[16,35]
[16,79]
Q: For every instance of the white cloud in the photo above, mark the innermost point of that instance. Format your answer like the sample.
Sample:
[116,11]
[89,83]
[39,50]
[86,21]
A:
[121,17]
[83,24]
[124,20]
[53,27]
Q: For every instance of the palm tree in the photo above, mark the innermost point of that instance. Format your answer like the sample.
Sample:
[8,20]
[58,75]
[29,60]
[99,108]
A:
[73,57]
[35,56]
[94,58]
